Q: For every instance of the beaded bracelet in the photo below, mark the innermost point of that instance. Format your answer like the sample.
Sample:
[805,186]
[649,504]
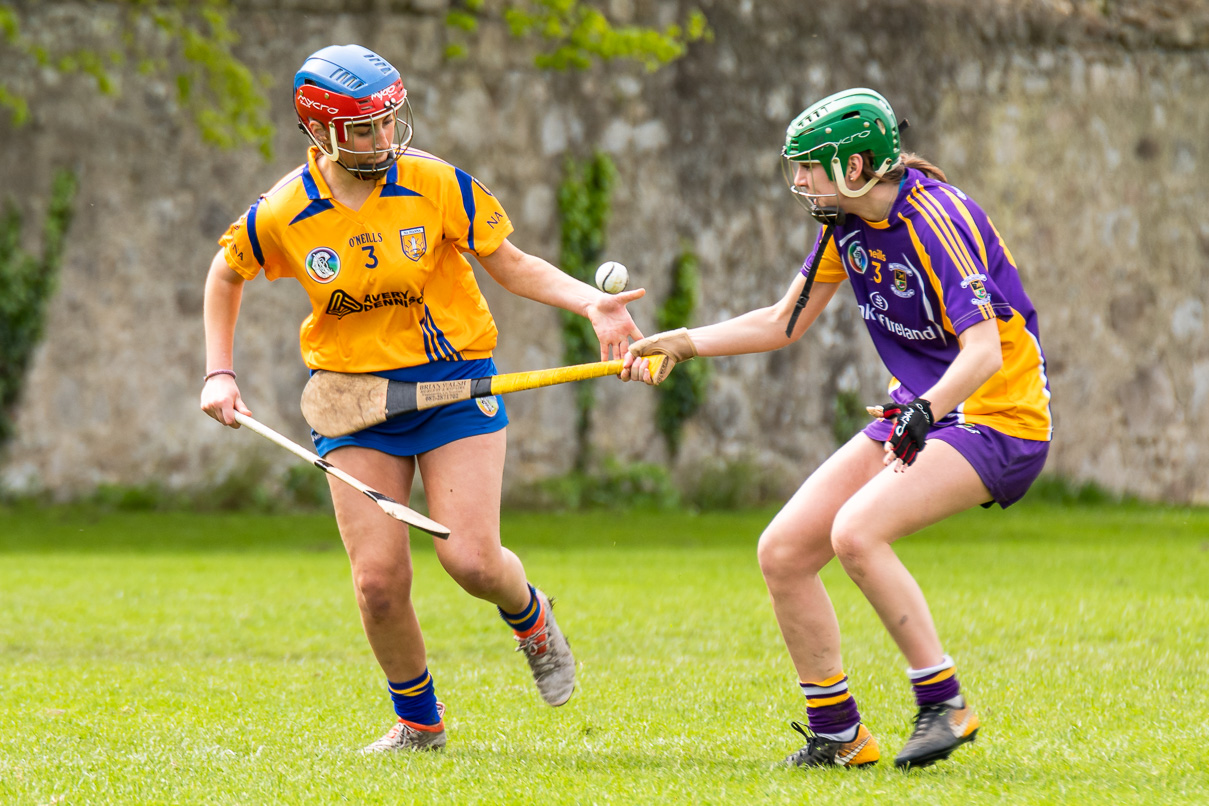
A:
[210,375]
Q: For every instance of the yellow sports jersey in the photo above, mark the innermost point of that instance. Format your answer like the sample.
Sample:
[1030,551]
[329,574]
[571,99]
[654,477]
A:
[388,284]
[933,268]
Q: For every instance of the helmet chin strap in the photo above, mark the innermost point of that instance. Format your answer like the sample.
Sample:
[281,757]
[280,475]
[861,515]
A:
[373,173]
[841,181]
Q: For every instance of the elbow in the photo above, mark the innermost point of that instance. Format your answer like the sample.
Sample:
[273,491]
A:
[993,362]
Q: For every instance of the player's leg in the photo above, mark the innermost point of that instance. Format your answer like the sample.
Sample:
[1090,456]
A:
[793,549]
[893,505]
[380,555]
[462,483]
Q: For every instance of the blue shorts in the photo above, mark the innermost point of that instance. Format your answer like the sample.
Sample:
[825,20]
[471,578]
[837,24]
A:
[410,434]
[1006,465]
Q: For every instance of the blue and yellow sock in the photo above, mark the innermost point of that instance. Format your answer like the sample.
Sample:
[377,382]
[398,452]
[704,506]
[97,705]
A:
[936,685]
[830,709]
[524,621]
[416,700]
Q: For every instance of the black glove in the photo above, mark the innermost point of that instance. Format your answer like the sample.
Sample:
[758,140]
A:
[911,429]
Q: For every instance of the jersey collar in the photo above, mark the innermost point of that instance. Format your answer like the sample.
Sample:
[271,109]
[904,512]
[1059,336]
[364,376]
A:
[320,184]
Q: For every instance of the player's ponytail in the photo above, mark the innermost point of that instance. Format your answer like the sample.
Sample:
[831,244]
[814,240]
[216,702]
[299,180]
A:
[908,159]
[913,160]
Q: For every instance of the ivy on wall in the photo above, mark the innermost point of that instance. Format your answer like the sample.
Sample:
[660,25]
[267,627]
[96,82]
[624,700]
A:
[848,416]
[28,282]
[683,393]
[584,199]
[576,34]
[226,101]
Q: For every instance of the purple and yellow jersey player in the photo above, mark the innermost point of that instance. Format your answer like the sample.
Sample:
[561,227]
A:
[931,269]
[969,423]
[376,232]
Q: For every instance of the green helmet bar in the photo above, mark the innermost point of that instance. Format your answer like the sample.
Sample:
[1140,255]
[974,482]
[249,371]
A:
[840,125]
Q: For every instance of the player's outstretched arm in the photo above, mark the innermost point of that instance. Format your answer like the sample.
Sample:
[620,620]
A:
[758,331]
[532,277]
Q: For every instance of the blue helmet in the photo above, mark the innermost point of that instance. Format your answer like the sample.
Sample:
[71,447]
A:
[342,86]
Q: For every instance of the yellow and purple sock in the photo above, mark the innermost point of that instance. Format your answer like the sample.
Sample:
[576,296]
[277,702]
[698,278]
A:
[524,621]
[831,710]
[936,685]
[416,700]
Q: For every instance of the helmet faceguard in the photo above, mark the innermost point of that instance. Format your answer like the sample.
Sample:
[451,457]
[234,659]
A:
[832,130]
[823,213]
[348,86]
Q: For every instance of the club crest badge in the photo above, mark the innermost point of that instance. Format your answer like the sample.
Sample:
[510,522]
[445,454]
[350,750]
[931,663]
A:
[322,264]
[488,405]
[902,278]
[857,258]
[414,243]
[974,283]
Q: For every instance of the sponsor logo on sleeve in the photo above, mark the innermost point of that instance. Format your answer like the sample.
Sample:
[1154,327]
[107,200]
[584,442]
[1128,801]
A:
[322,264]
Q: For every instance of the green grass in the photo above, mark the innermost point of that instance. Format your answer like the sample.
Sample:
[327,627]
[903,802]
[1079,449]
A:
[218,659]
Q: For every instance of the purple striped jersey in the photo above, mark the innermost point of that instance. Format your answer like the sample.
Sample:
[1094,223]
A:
[933,268]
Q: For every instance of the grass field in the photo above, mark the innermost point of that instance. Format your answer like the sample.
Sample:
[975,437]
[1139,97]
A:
[177,658]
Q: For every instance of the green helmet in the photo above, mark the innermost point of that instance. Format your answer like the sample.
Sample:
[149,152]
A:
[840,125]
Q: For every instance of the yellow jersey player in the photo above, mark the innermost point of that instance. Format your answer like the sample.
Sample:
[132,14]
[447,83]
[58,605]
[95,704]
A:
[375,233]
[969,422]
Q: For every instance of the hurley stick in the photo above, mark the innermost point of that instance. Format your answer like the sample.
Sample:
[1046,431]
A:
[389,505]
[339,403]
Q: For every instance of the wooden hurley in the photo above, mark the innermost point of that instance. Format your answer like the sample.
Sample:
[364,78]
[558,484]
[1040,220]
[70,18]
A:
[339,403]
[388,505]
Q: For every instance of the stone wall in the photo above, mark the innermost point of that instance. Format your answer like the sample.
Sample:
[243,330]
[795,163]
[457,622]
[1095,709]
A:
[1082,134]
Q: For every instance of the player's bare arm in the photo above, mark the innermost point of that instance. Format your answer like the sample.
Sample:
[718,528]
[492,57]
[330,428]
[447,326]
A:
[758,331]
[532,277]
[980,358]
[224,291]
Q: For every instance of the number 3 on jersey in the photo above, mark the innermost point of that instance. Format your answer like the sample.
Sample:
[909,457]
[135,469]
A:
[371,259]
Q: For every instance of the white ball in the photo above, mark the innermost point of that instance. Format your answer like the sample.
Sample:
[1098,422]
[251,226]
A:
[612,277]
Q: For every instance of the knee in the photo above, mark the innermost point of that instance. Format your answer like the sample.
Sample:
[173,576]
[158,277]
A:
[478,574]
[851,541]
[380,593]
[785,557]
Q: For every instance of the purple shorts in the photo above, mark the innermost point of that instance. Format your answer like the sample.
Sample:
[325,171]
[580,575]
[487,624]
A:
[1006,465]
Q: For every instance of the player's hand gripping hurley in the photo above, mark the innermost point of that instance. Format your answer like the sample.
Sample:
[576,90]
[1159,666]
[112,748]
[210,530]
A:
[389,505]
[339,403]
